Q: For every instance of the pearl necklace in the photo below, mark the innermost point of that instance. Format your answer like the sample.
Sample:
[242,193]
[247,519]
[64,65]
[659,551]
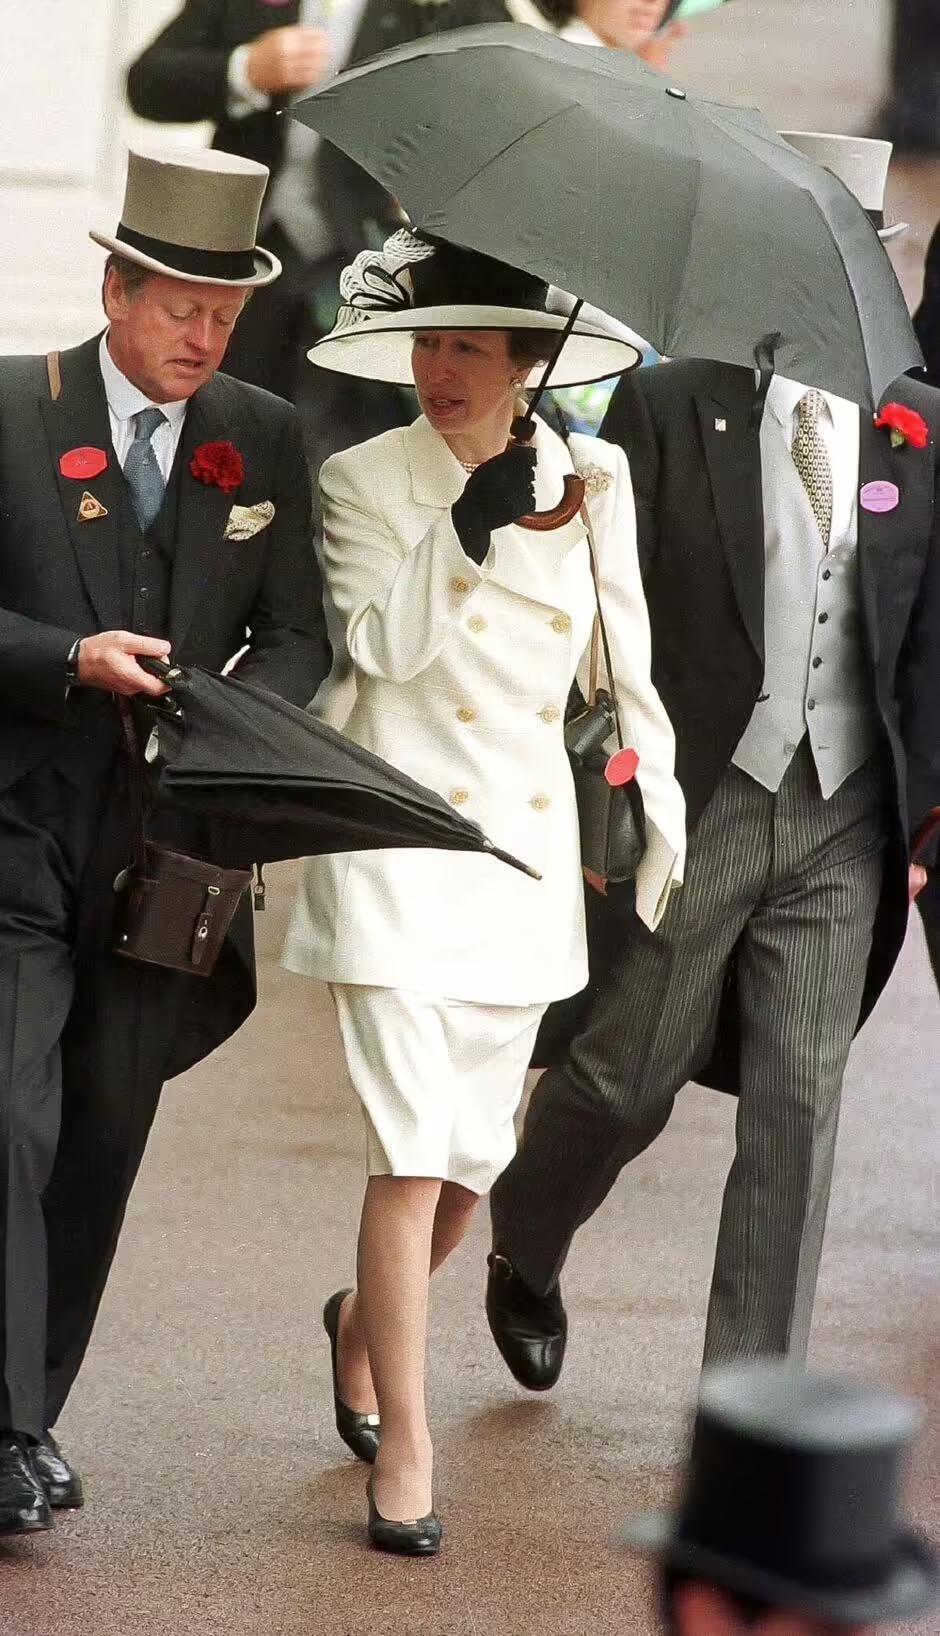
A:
[470,465]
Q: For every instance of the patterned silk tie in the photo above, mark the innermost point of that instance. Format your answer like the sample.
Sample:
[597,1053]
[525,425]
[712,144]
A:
[811,458]
[142,469]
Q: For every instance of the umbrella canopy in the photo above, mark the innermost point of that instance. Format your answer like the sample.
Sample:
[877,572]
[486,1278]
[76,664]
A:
[277,783]
[690,220]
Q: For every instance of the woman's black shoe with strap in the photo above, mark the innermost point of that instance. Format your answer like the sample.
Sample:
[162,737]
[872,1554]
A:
[360,1432]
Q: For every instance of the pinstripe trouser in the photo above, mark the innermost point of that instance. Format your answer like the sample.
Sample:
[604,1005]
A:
[790,883]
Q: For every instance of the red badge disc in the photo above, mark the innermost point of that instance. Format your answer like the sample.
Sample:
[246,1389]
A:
[83,463]
[621,767]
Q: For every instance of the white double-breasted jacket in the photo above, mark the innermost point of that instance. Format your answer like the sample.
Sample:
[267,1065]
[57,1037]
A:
[460,675]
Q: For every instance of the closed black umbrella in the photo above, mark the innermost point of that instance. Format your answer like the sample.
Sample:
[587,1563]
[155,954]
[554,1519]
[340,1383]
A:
[276,783]
[690,220]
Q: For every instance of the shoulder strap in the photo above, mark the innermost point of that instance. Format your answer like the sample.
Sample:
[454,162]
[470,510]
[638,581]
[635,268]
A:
[55,375]
[600,631]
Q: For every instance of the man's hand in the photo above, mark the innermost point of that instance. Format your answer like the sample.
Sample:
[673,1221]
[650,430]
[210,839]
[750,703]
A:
[916,880]
[598,882]
[109,661]
[703,1611]
[288,59]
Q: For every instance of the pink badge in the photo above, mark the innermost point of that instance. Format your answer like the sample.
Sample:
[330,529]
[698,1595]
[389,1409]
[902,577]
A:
[83,463]
[880,496]
[621,767]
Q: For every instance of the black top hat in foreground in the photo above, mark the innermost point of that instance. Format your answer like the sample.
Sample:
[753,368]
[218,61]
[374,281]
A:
[791,1497]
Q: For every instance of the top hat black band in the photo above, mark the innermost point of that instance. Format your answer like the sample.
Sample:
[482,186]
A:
[234,265]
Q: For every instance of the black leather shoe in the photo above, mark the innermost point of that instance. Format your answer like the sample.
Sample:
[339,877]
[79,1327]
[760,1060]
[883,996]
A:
[61,1485]
[360,1432]
[530,1330]
[419,1538]
[24,1508]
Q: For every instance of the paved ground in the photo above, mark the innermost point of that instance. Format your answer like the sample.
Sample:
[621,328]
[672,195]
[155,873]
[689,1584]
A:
[221,1501]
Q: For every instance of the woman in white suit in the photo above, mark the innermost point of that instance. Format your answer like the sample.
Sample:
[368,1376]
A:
[462,634]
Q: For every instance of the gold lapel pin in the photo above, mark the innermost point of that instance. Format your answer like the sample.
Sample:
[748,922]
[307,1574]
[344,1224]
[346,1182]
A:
[90,508]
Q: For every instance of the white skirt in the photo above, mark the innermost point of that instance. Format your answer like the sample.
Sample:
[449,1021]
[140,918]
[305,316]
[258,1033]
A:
[439,1080]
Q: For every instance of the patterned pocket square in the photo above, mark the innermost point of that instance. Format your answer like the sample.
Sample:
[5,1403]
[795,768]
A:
[243,521]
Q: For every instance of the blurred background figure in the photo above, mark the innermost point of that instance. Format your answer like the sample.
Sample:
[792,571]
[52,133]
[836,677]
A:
[650,29]
[238,66]
[788,1522]
[910,118]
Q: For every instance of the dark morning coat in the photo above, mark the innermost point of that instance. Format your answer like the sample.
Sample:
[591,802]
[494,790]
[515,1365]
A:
[694,453]
[60,578]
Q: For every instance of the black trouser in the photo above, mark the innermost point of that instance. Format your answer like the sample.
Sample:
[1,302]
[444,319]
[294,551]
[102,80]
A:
[84,1037]
[269,347]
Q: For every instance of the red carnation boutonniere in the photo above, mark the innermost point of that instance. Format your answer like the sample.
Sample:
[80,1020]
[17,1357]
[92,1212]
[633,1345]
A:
[906,426]
[219,463]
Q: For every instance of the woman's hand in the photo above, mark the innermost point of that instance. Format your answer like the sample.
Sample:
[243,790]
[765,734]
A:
[496,494]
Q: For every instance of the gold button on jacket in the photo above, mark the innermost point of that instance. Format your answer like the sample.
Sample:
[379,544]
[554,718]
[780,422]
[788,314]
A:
[461,586]
[476,624]
[466,713]
[550,713]
[562,624]
[540,802]
[458,797]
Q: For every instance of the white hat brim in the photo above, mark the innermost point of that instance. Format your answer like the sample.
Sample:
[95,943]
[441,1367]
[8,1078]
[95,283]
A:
[375,344]
[267,266]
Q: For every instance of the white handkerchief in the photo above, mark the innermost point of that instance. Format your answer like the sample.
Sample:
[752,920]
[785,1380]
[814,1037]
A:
[243,521]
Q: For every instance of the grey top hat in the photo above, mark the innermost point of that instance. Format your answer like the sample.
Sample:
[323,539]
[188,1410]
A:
[861,162]
[791,1497]
[192,213]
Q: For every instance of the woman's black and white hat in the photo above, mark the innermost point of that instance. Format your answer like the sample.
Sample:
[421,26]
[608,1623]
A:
[192,213]
[861,162]
[419,283]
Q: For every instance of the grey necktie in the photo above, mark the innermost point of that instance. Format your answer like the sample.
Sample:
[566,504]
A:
[811,458]
[142,469]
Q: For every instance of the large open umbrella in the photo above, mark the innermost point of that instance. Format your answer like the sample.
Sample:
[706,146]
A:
[277,783]
[690,220]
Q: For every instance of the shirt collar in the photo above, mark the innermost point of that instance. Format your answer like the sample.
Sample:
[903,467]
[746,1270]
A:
[578,33]
[125,399]
[784,395]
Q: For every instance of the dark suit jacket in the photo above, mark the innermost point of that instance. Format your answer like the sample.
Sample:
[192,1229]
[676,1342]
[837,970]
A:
[695,460]
[59,576]
[183,76]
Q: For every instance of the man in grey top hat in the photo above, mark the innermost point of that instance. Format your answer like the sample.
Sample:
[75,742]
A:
[792,575]
[148,505]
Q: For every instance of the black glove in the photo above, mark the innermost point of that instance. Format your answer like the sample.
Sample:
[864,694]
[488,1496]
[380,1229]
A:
[496,494]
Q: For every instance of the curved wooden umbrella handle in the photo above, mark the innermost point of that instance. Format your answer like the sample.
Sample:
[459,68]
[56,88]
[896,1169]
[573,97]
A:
[572,499]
